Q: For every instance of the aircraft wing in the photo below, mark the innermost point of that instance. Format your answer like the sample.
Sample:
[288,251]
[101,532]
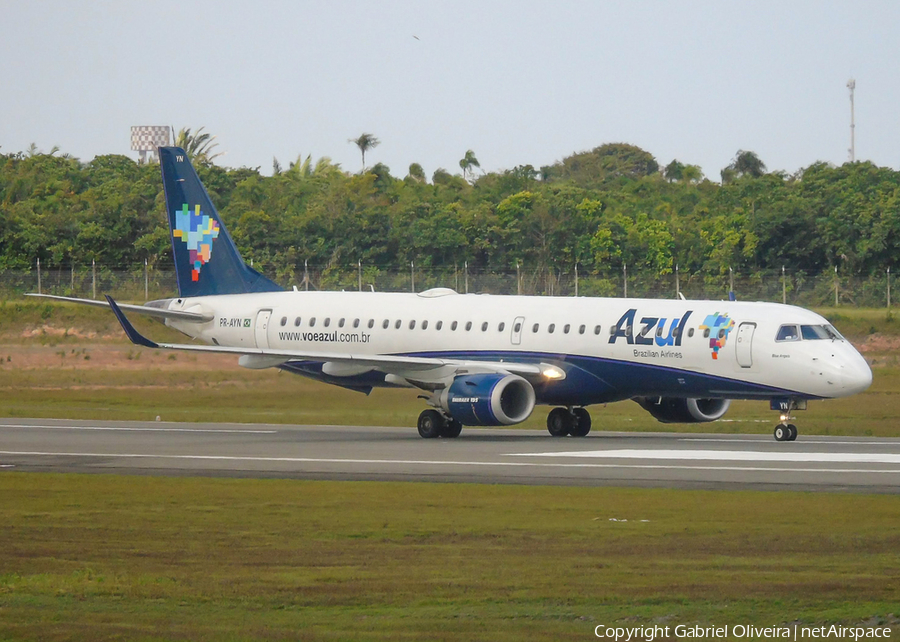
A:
[159,313]
[420,368]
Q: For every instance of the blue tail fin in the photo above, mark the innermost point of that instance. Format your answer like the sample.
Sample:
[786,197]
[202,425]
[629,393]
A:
[206,259]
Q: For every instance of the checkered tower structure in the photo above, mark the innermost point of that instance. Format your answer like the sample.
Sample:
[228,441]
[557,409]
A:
[146,138]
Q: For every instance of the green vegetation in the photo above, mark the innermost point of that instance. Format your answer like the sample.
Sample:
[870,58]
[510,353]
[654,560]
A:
[604,209]
[108,557]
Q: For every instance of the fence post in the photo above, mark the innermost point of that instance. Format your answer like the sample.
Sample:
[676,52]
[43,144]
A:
[625,278]
[39,275]
[889,288]
[466,266]
[72,276]
[93,279]
[731,294]
[305,275]
[576,278]
[412,277]
[518,280]
[146,282]
[677,283]
[783,287]
[359,273]
[835,287]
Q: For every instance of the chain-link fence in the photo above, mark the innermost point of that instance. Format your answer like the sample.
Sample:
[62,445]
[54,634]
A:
[797,288]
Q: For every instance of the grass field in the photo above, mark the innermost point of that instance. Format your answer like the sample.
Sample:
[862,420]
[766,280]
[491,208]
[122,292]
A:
[108,557]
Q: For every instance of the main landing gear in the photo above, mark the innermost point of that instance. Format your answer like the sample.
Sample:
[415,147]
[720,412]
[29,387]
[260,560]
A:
[569,421]
[433,424]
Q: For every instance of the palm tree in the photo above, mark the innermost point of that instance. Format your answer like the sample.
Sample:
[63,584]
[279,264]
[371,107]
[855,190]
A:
[416,173]
[198,145]
[365,142]
[747,164]
[468,162]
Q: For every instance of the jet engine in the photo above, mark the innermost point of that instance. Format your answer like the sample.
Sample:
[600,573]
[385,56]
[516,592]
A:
[678,410]
[488,399]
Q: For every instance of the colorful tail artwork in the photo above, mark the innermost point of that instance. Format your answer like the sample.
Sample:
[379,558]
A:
[206,259]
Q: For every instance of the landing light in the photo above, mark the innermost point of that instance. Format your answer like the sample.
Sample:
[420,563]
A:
[784,417]
[553,373]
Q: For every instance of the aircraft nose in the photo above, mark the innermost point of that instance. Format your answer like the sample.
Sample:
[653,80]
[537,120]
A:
[856,375]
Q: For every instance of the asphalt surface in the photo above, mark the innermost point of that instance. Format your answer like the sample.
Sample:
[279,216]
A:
[479,455]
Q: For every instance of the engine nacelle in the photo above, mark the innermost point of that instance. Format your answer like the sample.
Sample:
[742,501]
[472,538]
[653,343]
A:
[488,399]
[678,410]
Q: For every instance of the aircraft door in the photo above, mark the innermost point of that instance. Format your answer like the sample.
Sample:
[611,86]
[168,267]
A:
[262,328]
[516,336]
[744,344]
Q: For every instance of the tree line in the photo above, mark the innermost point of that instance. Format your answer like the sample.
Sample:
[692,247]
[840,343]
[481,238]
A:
[602,209]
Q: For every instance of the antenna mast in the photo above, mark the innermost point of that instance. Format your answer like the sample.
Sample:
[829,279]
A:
[851,85]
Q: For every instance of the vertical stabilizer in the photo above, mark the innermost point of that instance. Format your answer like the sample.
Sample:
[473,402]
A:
[206,259]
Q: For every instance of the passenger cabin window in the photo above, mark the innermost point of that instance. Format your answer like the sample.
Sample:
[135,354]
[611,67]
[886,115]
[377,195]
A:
[312,322]
[283,320]
[484,326]
[581,329]
[412,325]
[517,327]
[327,322]
[468,326]
[385,324]
[690,332]
[501,327]
[535,327]
[706,333]
[424,325]
[788,333]
[566,329]
[596,329]
[297,322]
[341,323]
[551,328]
[355,323]
[371,323]
[453,326]
[438,325]
[397,324]
[659,330]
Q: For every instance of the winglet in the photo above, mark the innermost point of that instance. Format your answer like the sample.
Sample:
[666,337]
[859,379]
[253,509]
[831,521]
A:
[136,337]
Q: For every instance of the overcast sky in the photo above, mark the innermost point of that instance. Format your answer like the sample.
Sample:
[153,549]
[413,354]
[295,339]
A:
[521,82]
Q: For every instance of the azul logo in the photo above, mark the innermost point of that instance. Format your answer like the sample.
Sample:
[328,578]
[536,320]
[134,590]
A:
[198,231]
[719,326]
[652,330]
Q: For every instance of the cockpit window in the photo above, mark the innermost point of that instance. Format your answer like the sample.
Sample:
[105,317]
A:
[836,335]
[788,333]
[816,332]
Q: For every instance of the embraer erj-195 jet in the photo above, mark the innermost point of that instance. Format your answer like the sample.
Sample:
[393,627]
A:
[483,360]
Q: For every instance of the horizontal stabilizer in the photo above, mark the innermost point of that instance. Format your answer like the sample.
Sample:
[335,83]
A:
[159,313]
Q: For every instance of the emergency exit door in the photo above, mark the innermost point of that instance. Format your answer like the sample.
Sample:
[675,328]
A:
[262,328]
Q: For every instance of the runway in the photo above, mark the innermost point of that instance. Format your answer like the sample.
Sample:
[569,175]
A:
[479,455]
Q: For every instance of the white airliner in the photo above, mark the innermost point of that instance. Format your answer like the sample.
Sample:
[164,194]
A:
[483,360]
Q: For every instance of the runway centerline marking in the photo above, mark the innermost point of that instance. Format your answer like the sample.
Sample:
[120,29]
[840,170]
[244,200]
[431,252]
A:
[123,429]
[725,455]
[507,464]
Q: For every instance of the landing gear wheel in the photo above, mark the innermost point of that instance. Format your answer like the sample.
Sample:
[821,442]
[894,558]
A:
[431,424]
[782,433]
[793,430]
[582,424]
[559,421]
[452,428]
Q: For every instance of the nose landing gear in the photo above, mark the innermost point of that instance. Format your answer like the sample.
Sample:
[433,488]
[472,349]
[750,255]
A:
[786,431]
